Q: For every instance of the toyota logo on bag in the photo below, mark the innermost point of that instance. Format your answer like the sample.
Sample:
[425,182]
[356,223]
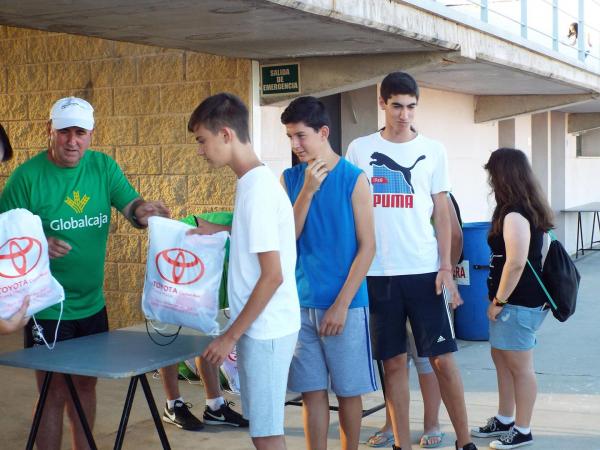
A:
[19,256]
[179,266]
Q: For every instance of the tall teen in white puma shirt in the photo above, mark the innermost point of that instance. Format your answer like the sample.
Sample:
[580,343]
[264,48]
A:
[417,250]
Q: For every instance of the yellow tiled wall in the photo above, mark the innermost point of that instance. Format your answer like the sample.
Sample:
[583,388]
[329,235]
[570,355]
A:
[143,97]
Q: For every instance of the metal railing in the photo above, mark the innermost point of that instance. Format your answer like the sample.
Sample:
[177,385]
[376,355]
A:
[558,25]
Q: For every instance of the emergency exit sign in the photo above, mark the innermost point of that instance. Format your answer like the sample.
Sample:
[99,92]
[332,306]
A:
[280,79]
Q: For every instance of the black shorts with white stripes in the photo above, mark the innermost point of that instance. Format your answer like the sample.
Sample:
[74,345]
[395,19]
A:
[392,300]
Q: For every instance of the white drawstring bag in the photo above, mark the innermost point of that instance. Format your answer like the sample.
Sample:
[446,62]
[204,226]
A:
[25,265]
[183,275]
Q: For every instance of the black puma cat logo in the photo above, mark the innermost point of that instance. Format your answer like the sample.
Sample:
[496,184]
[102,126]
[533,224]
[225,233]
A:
[379,159]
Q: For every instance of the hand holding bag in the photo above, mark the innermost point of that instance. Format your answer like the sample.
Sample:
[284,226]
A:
[25,265]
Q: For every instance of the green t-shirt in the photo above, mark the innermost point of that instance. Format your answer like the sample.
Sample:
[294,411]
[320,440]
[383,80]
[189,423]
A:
[74,204]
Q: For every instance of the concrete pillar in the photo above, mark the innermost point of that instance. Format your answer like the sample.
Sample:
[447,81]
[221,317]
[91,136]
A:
[558,138]
[359,114]
[540,146]
[506,133]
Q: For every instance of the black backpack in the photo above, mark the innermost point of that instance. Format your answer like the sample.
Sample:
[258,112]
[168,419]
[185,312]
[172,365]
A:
[560,280]
[457,209]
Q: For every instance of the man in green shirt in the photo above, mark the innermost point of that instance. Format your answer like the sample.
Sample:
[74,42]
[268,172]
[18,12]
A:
[72,189]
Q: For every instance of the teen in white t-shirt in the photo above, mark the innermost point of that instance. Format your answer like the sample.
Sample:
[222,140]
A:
[402,203]
[263,222]
[262,287]
[411,268]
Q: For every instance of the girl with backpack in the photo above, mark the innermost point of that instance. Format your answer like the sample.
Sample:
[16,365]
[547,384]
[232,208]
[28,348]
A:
[517,302]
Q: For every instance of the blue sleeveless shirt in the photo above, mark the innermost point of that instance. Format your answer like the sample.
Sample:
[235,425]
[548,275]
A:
[327,245]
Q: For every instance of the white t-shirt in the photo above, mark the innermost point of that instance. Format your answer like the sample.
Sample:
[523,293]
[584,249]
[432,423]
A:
[403,178]
[263,221]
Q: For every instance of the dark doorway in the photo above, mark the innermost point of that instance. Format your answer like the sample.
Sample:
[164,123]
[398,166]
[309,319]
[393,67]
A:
[333,104]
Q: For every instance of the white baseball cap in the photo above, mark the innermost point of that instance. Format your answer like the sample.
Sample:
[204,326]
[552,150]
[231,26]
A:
[72,112]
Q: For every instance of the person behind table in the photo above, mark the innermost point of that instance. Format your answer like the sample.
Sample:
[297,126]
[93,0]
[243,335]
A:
[75,214]
[432,436]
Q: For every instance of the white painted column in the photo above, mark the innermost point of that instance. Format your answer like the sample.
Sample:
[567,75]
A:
[506,133]
[540,149]
[558,137]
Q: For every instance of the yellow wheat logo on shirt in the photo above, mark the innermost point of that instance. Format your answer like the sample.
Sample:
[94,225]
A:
[77,202]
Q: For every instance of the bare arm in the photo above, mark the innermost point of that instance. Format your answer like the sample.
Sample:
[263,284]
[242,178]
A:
[138,211]
[517,235]
[270,279]
[206,227]
[441,223]
[315,173]
[335,318]
[17,321]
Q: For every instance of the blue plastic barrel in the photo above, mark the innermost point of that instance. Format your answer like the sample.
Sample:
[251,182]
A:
[470,319]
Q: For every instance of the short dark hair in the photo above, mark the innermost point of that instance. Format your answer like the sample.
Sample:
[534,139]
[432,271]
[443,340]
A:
[399,83]
[308,110]
[222,110]
[8,151]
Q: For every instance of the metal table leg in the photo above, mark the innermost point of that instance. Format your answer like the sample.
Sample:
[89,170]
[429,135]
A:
[579,236]
[152,405]
[126,411]
[80,412]
[595,221]
[39,409]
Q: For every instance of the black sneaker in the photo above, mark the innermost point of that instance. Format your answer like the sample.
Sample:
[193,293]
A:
[181,417]
[224,416]
[469,446]
[512,439]
[492,428]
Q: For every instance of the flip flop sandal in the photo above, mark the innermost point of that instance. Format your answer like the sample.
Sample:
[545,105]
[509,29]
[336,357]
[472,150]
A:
[427,438]
[381,439]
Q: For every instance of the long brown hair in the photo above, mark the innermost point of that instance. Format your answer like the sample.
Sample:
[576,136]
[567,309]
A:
[515,187]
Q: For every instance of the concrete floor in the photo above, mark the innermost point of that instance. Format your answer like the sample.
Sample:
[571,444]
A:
[566,416]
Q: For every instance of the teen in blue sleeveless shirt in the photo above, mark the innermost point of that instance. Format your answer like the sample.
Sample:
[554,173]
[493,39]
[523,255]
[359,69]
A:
[326,247]
[335,246]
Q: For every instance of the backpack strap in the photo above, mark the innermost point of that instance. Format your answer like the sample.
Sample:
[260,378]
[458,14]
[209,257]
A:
[537,277]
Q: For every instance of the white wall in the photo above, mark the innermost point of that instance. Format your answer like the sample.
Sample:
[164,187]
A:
[449,118]
[523,134]
[582,186]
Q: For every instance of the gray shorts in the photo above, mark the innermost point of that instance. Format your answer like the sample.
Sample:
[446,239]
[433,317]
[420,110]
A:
[515,327]
[263,366]
[421,363]
[345,360]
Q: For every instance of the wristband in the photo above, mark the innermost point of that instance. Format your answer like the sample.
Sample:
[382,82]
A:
[132,217]
[497,302]
[444,269]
